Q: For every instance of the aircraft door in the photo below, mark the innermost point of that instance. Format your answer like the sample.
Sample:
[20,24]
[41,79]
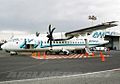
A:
[29,46]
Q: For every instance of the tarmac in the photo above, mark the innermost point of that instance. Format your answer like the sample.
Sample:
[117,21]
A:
[20,67]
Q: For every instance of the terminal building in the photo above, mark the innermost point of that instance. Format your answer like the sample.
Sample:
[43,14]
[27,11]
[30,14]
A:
[114,40]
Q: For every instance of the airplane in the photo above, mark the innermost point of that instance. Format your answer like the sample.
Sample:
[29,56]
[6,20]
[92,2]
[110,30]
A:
[59,42]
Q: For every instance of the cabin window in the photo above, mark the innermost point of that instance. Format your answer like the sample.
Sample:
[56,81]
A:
[53,41]
[59,41]
[13,40]
[62,41]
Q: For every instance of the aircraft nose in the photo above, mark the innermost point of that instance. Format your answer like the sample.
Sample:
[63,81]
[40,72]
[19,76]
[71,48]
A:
[3,46]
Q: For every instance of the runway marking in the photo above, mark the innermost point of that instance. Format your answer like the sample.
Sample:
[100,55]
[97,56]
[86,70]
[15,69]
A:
[24,67]
[64,76]
[73,56]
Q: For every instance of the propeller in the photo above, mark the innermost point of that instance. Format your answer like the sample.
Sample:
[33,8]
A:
[37,34]
[50,35]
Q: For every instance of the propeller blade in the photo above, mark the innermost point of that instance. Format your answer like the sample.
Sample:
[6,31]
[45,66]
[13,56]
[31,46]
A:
[51,44]
[48,35]
[49,28]
[52,30]
[48,40]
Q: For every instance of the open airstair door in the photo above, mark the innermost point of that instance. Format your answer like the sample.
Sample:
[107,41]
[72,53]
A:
[87,50]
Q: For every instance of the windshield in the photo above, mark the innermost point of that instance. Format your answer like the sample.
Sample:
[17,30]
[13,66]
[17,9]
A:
[13,40]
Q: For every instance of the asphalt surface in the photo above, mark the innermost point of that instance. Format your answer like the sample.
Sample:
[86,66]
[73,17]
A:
[25,67]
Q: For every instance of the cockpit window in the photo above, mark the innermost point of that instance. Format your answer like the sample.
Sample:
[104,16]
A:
[13,40]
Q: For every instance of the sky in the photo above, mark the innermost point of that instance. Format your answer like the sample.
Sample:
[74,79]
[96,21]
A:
[64,15]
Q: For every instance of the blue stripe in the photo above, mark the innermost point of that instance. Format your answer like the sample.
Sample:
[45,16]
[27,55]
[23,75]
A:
[67,45]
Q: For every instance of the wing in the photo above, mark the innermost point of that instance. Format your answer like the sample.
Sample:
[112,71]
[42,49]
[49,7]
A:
[91,29]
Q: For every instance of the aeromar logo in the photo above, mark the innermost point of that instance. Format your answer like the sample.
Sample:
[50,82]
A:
[98,34]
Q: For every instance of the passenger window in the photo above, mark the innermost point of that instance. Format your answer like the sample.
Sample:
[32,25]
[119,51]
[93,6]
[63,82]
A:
[14,40]
[59,41]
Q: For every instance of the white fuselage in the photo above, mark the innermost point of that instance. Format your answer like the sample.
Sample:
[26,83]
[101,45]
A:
[40,43]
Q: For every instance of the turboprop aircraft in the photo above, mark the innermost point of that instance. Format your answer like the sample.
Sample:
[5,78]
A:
[61,41]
